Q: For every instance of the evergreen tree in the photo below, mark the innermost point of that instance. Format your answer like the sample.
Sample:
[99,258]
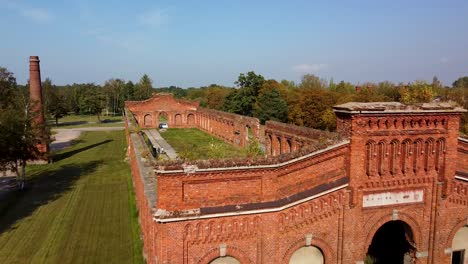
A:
[270,106]
[144,88]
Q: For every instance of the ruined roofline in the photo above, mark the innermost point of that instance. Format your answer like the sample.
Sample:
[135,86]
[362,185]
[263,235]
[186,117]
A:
[203,110]
[158,95]
[298,131]
[397,108]
[178,166]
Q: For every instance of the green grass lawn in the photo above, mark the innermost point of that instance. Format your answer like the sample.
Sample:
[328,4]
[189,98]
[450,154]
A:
[79,209]
[193,144]
[73,121]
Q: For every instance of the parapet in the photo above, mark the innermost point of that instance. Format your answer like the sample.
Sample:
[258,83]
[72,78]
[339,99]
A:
[396,107]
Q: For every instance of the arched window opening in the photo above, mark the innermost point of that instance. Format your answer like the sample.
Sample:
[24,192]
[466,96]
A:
[381,158]
[225,260]
[439,155]
[394,154]
[288,147]
[147,120]
[307,255]
[405,156]
[460,246]
[370,158]
[280,146]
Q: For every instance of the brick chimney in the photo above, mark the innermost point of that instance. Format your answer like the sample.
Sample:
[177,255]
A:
[35,96]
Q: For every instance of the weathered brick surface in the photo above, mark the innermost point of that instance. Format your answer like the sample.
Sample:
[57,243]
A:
[263,214]
[178,113]
[234,129]
[283,138]
[35,94]
[229,127]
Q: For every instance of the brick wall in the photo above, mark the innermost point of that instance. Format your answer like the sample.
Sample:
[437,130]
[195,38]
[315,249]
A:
[264,213]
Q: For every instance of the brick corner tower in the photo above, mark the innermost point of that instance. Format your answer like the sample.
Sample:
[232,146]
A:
[35,91]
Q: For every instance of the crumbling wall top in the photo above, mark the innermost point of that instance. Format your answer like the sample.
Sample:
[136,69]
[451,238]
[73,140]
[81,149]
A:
[230,116]
[298,131]
[396,107]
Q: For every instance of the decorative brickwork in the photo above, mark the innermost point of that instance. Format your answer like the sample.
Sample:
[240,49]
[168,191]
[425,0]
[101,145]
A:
[397,164]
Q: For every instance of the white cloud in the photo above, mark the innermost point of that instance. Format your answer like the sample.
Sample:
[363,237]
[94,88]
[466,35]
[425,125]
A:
[444,60]
[309,68]
[154,18]
[129,41]
[36,14]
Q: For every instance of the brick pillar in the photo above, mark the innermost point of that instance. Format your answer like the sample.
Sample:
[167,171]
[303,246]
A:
[35,91]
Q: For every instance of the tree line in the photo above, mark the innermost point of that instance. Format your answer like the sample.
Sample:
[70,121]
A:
[310,102]
[307,103]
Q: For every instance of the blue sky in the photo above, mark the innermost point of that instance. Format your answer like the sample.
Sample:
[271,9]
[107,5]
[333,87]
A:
[196,43]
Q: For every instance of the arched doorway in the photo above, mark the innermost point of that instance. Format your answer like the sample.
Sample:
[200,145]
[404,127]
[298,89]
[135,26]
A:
[288,147]
[225,260]
[147,120]
[270,145]
[162,117]
[393,243]
[190,119]
[460,246]
[307,255]
[280,145]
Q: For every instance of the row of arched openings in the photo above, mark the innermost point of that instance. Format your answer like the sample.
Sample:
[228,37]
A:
[409,156]
[304,255]
[163,118]
[278,145]
[392,243]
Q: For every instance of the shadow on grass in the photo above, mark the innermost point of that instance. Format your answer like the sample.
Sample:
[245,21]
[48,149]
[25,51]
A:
[41,189]
[72,123]
[110,121]
[70,153]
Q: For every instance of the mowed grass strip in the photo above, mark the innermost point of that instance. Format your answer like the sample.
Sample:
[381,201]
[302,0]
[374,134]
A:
[193,144]
[79,209]
[76,121]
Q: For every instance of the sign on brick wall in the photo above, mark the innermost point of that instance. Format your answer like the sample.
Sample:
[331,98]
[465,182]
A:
[392,198]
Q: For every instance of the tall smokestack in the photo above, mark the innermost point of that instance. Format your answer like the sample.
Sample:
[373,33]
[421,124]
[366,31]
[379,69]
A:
[35,96]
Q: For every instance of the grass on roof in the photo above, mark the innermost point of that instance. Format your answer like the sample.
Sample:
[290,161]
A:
[193,144]
[78,209]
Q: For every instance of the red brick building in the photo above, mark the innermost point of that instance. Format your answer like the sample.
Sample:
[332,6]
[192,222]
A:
[391,187]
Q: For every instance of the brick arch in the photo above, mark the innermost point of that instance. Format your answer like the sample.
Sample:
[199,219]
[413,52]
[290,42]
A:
[327,251]
[453,231]
[410,221]
[178,119]
[147,120]
[191,119]
[231,251]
